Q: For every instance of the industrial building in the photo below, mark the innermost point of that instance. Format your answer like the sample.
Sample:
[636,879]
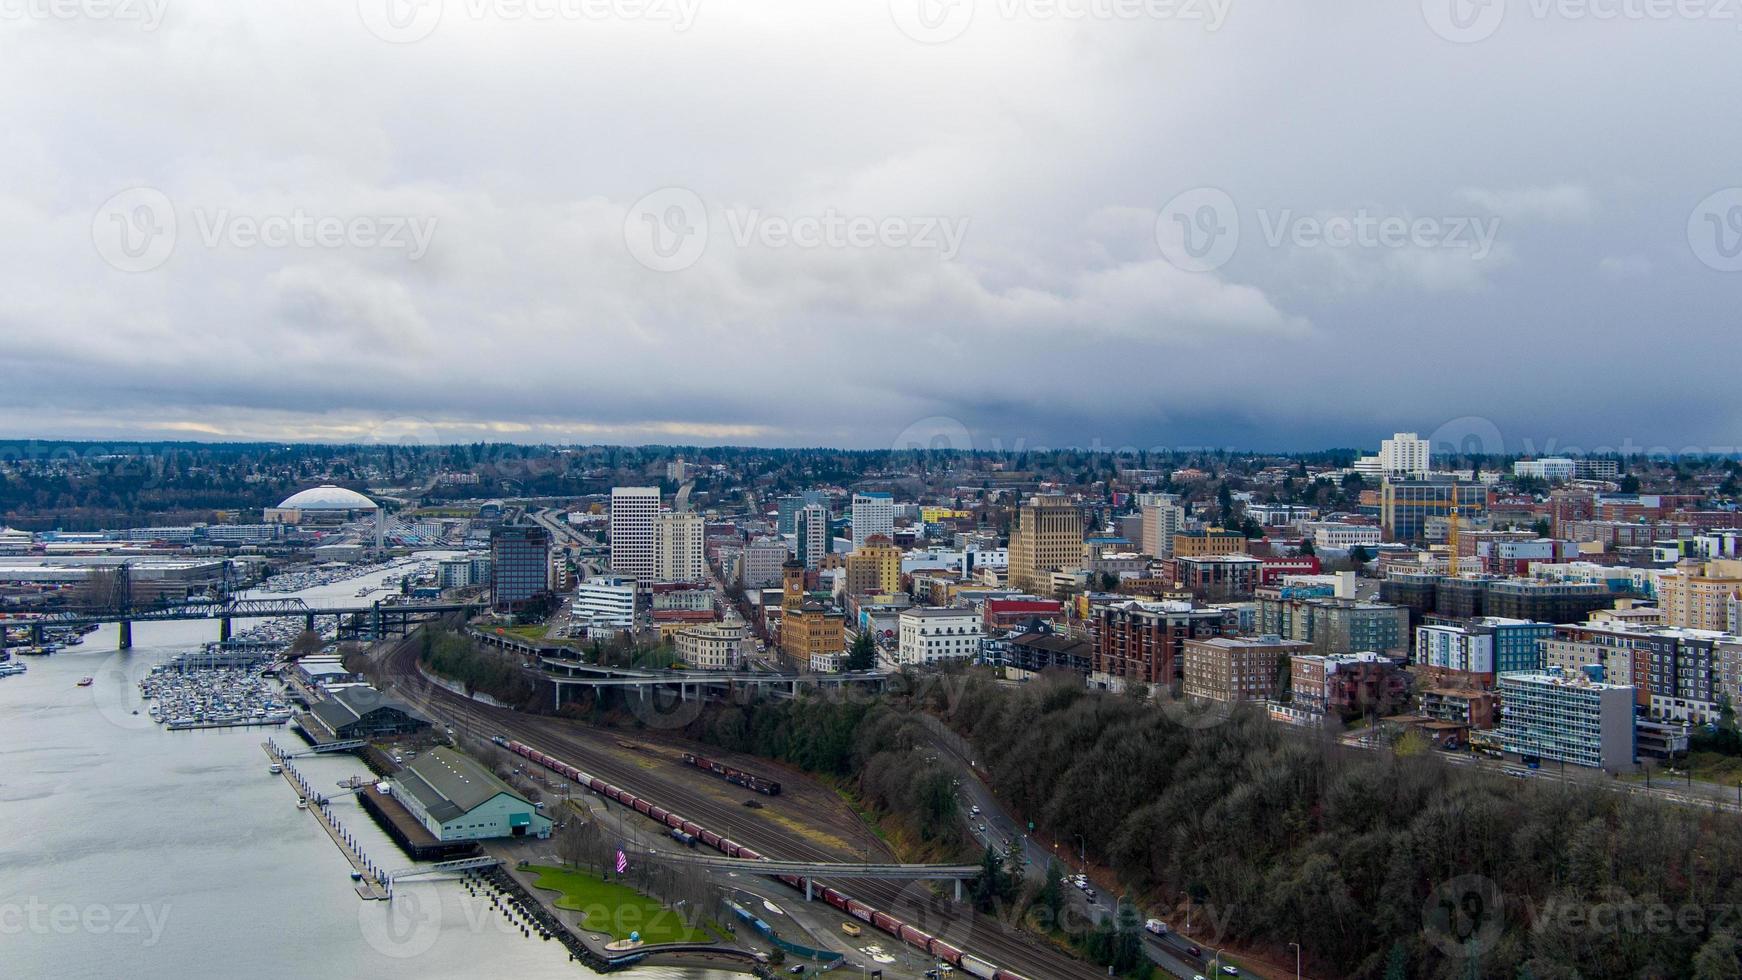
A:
[457,799]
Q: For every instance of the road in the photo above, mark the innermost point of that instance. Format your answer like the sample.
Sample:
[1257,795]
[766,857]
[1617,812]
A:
[1169,952]
[592,749]
[1667,788]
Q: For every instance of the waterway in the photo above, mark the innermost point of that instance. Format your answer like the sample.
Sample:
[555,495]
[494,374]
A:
[127,850]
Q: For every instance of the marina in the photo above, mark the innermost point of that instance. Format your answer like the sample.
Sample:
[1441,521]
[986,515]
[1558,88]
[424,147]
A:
[187,695]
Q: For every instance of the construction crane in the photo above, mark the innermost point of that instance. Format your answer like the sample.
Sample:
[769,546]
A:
[1452,526]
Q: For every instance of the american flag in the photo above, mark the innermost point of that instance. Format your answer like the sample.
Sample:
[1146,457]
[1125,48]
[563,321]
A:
[622,862]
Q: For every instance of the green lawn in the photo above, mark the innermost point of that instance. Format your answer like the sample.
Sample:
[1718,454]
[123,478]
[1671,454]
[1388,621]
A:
[616,909]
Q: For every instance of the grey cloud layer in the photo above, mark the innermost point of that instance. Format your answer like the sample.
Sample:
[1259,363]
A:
[520,146]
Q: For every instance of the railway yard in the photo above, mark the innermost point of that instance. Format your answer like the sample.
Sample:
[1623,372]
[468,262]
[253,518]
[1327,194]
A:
[806,821]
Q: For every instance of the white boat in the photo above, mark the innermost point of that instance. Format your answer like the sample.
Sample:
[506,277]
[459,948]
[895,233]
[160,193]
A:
[275,769]
[302,804]
[11,669]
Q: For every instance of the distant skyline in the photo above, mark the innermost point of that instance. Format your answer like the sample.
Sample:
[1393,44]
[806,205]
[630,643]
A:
[789,224]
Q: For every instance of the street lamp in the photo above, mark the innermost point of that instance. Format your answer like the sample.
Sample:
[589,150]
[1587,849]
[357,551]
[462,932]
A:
[1296,960]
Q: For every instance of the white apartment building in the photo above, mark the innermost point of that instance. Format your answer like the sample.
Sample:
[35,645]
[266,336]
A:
[677,548]
[927,636]
[1405,454]
[814,536]
[1552,469]
[1337,536]
[873,513]
[605,603]
[633,512]
[1162,519]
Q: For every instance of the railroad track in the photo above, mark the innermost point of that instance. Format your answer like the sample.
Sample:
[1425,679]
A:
[957,925]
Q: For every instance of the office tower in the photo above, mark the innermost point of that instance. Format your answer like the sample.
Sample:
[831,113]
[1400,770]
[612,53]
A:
[677,548]
[520,557]
[1048,537]
[633,511]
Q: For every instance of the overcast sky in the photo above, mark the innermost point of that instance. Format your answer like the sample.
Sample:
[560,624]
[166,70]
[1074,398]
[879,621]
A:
[866,223]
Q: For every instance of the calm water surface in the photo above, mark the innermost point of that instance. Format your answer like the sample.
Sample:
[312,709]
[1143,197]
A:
[130,851]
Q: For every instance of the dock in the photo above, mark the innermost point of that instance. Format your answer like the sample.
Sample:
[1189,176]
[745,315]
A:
[376,882]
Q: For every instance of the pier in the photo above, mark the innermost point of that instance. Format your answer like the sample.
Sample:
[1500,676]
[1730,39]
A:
[376,884]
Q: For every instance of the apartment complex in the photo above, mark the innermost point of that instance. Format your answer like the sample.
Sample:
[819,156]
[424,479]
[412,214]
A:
[1568,718]
[1162,518]
[1346,684]
[1208,542]
[1224,668]
[813,534]
[1048,537]
[1144,642]
[872,514]
[1334,625]
[1700,595]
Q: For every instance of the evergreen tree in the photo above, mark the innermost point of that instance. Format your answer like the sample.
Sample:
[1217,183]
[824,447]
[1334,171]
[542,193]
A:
[863,655]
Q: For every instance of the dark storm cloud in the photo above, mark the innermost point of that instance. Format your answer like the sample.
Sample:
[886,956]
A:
[245,221]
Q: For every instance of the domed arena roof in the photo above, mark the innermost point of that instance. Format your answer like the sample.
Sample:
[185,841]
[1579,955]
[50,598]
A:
[327,497]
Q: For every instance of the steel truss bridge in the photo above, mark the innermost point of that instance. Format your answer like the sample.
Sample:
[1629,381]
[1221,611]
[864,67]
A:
[375,620]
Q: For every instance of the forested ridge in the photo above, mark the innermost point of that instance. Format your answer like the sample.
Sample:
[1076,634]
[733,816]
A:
[1380,865]
[1283,836]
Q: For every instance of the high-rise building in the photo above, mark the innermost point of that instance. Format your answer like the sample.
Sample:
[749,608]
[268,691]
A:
[875,568]
[633,512]
[520,556]
[762,560]
[1698,595]
[1162,520]
[677,548]
[1405,454]
[1048,537]
[873,513]
[1568,718]
[814,536]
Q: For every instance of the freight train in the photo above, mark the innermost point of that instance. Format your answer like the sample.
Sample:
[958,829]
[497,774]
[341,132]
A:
[932,946]
[748,780]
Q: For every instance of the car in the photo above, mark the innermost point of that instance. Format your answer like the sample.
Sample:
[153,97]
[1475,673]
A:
[797,969]
[1199,976]
[974,811]
[1231,971]
[1194,951]
[1089,893]
[851,928]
